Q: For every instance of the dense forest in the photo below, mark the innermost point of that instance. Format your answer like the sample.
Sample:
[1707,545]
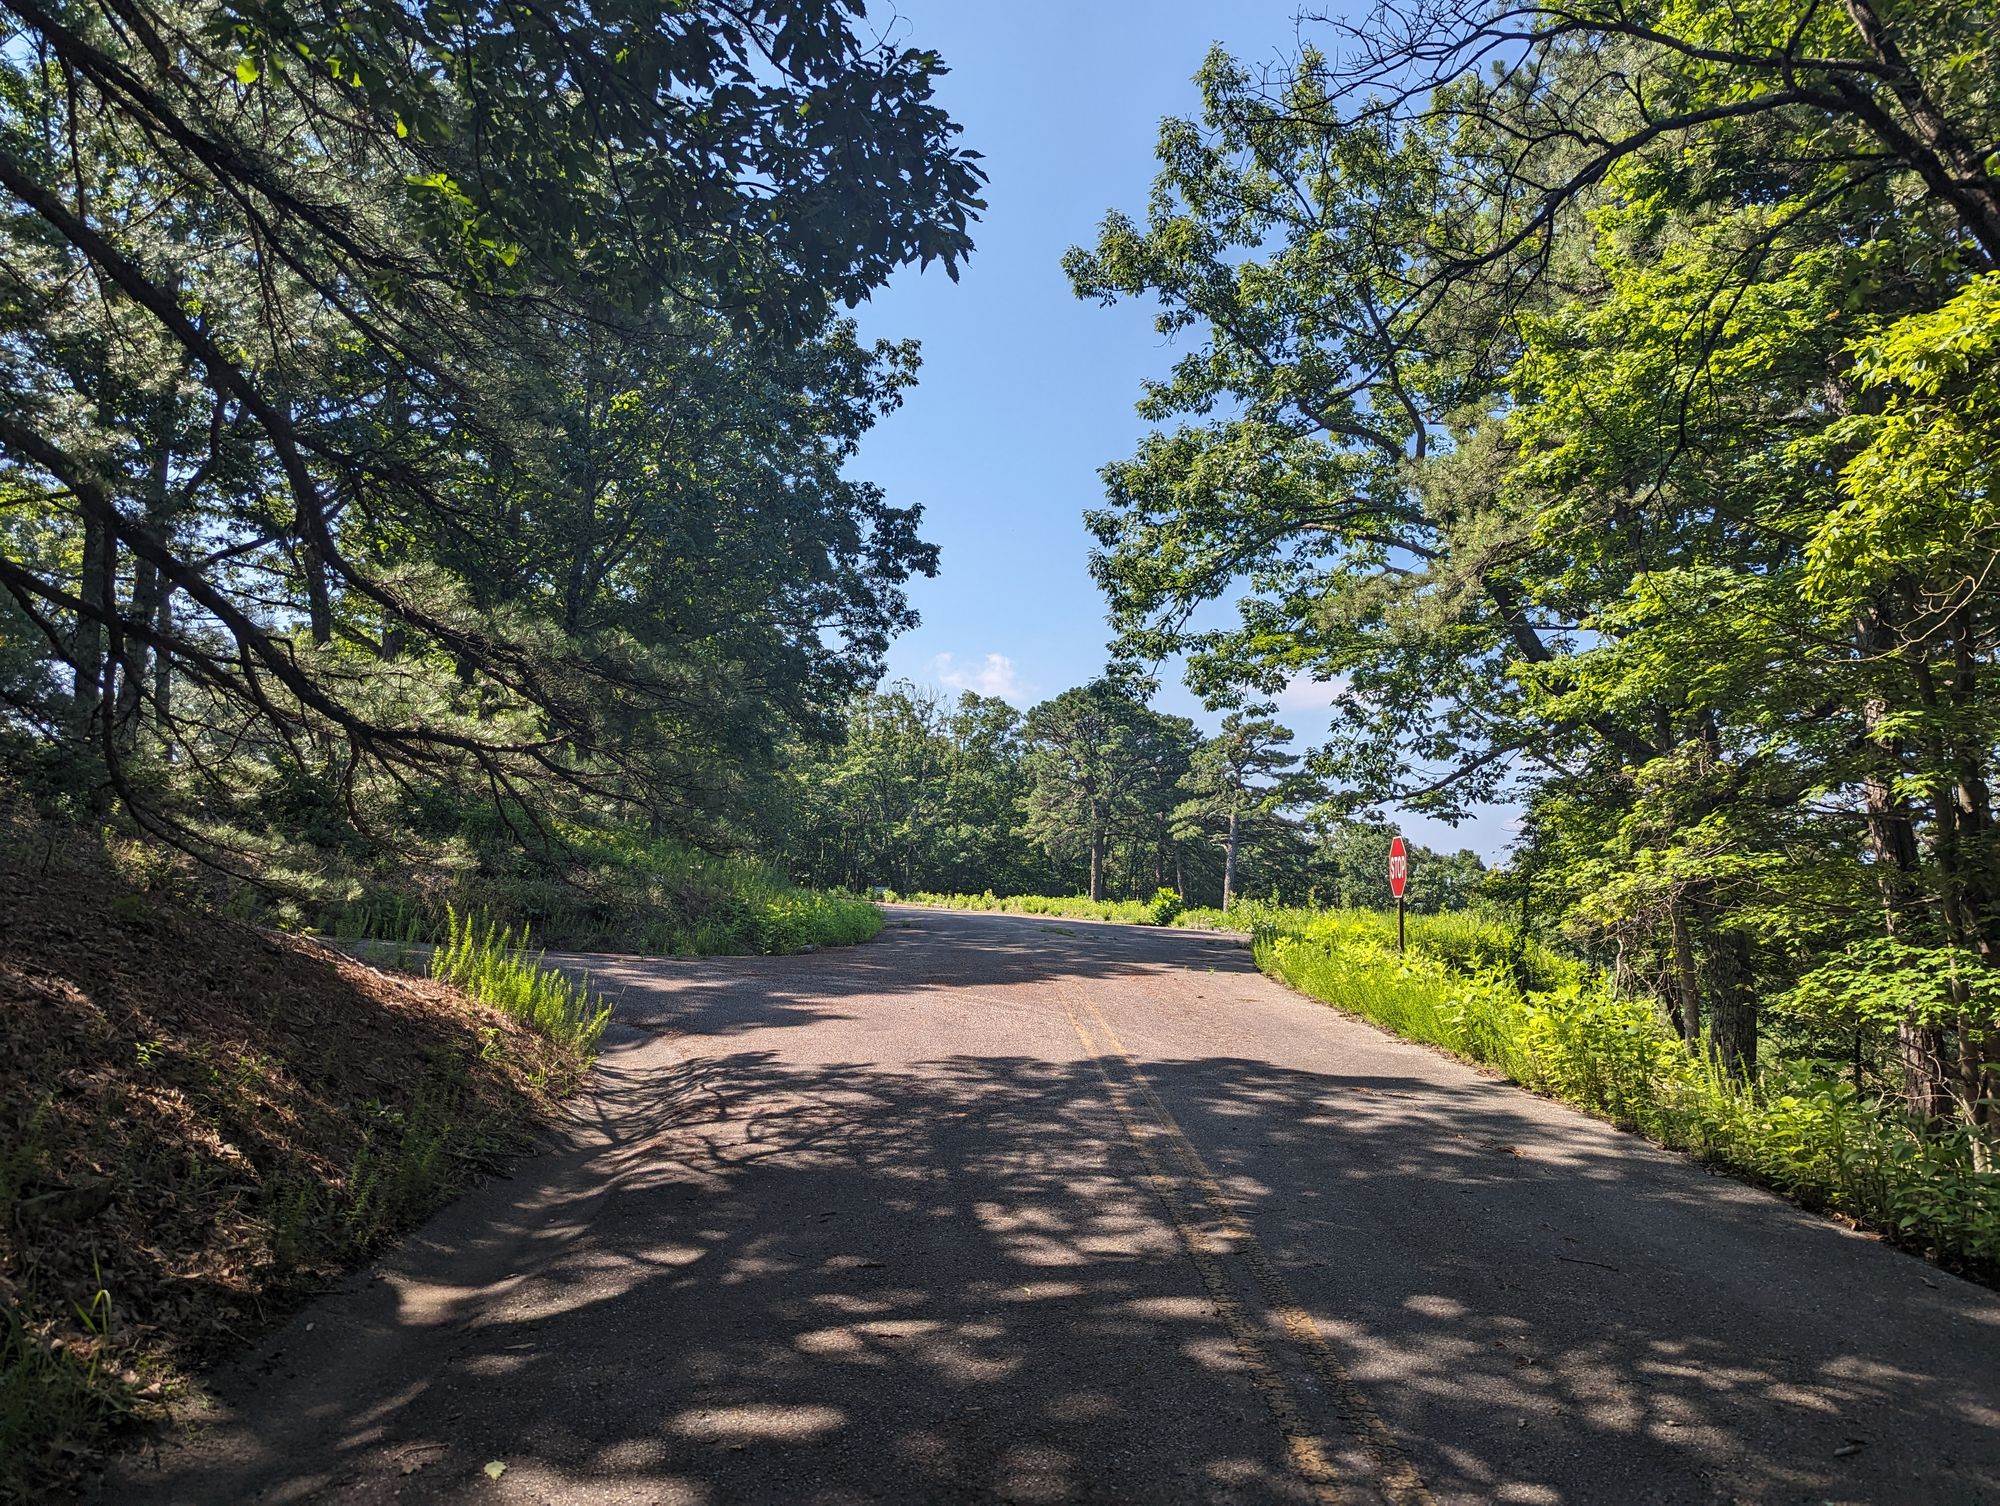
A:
[428,444]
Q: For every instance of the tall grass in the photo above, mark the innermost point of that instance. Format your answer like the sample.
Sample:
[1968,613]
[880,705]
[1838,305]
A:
[797,920]
[617,891]
[489,964]
[1466,941]
[1564,1033]
[1162,909]
[53,1393]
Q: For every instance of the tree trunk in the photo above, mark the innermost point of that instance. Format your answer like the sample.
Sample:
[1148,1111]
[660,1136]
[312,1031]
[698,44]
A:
[146,587]
[93,655]
[1952,166]
[136,679]
[1892,837]
[1976,1089]
[163,662]
[1732,1029]
[313,562]
[1926,1078]
[1973,798]
[95,588]
[319,594]
[1229,861]
[1687,985]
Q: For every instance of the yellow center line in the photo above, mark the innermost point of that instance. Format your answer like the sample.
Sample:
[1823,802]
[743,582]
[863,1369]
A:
[1396,1477]
[1302,1447]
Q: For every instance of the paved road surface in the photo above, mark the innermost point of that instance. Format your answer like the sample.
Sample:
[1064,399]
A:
[996,1209]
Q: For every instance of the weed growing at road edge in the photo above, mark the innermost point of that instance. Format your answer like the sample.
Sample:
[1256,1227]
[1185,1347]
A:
[488,964]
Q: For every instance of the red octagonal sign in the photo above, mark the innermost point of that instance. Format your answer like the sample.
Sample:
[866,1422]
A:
[1399,867]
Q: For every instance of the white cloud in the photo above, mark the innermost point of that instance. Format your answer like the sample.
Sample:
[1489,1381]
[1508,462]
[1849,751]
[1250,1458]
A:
[1303,693]
[995,675]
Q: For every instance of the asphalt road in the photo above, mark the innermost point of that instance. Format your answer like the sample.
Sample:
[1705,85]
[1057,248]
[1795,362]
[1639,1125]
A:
[998,1209]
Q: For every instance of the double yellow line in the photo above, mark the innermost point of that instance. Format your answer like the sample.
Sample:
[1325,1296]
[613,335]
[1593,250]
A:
[1159,1140]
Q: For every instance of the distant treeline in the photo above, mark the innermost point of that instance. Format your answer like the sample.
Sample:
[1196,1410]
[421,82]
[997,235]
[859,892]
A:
[1090,792]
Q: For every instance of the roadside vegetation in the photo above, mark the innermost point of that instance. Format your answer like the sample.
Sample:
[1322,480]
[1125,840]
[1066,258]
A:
[491,966]
[1472,986]
[603,891]
[1164,909]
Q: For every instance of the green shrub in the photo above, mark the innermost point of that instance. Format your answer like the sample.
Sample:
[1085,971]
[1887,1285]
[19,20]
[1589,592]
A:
[1467,940]
[1812,1137]
[620,892]
[1160,910]
[803,918]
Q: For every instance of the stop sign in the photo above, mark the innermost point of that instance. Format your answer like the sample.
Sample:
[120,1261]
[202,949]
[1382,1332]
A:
[1399,867]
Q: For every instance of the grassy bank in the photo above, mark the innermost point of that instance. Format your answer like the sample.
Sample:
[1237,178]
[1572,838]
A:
[604,891]
[1550,1025]
[201,1123]
[1162,910]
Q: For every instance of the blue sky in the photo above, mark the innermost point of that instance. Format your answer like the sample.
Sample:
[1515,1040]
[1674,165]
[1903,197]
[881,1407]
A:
[1026,391]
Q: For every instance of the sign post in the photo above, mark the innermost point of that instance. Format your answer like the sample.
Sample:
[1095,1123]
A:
[1399,880]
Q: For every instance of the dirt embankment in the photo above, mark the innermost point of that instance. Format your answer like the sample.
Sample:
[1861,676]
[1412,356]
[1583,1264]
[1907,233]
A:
[200,1124]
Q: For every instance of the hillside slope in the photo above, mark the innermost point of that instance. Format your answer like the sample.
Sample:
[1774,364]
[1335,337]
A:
[200,1122]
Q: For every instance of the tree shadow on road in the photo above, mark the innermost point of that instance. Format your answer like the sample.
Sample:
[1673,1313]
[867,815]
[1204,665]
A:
[730,995]
[754,1281]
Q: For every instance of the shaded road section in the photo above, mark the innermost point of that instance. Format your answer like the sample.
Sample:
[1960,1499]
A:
[997,1209]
